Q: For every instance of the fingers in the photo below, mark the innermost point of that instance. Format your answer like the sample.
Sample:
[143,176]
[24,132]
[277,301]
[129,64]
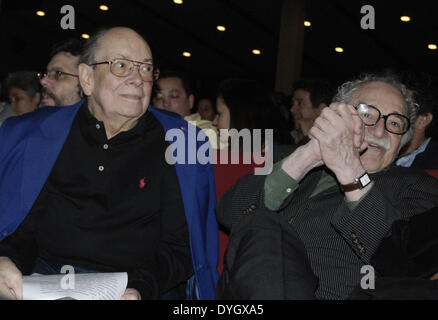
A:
[131,294]
[11,280]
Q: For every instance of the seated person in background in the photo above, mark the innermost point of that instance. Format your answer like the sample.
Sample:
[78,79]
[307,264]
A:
[6,110]
[23,90]
[422,151]
[61,80]
[173,92]
[90,186]
[333,200]
[206,109]
[245,104]
[310,96]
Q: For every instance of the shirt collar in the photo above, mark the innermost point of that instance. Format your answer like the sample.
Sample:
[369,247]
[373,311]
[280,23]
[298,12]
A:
[407,160]
[95,129]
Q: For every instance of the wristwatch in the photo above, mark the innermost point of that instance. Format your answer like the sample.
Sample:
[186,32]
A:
[359,183]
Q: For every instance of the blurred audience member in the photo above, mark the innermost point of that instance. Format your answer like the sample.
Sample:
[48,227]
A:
[310,96]
[61,81]
[245,104]
[6,110]
[173,92]
[206,109]
[422,151]
[23,91]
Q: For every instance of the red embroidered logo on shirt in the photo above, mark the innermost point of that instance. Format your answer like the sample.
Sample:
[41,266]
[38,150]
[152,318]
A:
[142,183]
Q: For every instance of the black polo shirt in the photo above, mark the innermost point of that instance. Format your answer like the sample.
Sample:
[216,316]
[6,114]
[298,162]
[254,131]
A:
[110,205]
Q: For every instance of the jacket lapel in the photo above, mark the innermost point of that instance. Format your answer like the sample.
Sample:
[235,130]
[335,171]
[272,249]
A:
[42,150]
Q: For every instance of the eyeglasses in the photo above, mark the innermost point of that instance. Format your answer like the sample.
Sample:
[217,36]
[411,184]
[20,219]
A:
[55,75]
[394,122]
[124,67]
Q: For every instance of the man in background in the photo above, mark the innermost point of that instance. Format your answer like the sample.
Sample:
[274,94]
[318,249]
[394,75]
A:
[60,82]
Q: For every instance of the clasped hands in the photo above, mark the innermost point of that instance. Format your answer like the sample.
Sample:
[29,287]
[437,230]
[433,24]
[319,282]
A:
[336,140]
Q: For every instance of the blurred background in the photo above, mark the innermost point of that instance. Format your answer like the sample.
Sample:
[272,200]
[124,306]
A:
[211,40]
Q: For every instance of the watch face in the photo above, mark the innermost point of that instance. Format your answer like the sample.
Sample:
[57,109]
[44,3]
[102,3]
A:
[364,180]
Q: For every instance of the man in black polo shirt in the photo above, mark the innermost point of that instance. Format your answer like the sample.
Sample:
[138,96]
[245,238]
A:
[110,202]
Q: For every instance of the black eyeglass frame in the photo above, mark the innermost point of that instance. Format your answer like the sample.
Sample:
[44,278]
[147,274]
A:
[385,118]
[137,64]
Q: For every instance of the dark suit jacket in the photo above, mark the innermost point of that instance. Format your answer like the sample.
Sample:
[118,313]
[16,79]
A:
[258,246]
[406,260]
[428,159]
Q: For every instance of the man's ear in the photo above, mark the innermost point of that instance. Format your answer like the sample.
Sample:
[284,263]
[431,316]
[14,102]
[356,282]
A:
[191,101]
[86,78]
[423,120]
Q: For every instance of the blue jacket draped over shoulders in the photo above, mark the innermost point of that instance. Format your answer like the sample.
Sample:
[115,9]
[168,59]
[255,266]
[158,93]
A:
[30,145]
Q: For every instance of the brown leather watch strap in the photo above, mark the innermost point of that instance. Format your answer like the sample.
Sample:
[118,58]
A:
[359,183]
[351,186]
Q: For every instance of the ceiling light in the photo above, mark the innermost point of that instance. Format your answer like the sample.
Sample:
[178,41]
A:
[339,49]
[187,54]
[432,46]
[85,36]
[40,13]
[307,23]
[221,28]
[103,7]
[256,51]
[178,1]
[405,18]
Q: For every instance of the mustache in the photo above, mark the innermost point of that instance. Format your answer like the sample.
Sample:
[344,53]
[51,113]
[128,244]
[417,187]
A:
[51,95]
[381,142]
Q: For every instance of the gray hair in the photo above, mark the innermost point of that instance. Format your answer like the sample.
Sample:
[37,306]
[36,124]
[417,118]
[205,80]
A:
[88,55]
[346,91]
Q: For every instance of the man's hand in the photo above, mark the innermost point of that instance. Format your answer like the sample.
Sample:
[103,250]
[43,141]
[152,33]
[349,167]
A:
[302,160]
[11,280]
[340,133]
[303,127]
[131,294]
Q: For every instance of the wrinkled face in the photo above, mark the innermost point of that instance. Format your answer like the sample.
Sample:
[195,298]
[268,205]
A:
[172,96]
[206,109]
[383,145]
[21,102]
[112,97]
[302,107]
[64,91]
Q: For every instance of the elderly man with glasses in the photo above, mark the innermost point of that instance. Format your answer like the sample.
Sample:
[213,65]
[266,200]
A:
[90,185]
[310,228]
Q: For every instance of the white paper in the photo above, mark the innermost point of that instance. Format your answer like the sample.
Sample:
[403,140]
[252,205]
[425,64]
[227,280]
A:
[87,286]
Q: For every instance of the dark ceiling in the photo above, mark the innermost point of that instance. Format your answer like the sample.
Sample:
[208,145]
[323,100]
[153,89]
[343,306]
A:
[171,29]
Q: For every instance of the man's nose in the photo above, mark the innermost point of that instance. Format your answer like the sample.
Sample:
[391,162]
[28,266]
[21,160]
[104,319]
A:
[135,77]
[379,128]
[44,81]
